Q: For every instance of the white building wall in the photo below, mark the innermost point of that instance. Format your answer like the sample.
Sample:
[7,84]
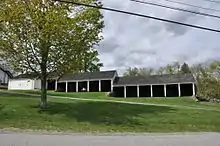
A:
[37,84]
[21,84]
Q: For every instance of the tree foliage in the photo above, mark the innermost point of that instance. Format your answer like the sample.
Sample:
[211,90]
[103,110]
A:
[131,72]
[185,68]
[44,36]
[146,71]
[168,69]
[90,61]
[4,65]
[172,68]
[208,79]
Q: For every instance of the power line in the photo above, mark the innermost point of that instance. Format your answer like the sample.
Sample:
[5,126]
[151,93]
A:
[213,1]
[187,4]
[140,15]
[174,8]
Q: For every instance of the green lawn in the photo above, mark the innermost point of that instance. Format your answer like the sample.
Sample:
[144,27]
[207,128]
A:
[175,101]
[88,116]
[95,95]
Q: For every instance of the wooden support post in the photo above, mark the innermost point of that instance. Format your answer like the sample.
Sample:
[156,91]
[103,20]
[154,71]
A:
[56,85]
[125,92]
[112,82]
[194,90]
[165,90]
[151,90]
[66,86]
[87,86]
[179,90]
[138,91]
[100,86]
[77,86]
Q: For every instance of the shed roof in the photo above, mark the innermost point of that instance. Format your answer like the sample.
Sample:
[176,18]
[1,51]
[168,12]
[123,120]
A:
[89,76]
[34,76]
[26,76]
[155,79]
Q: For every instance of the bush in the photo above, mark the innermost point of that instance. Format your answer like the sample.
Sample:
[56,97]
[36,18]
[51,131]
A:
[209,88]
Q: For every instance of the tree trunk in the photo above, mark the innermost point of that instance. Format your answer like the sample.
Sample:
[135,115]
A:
[43,103]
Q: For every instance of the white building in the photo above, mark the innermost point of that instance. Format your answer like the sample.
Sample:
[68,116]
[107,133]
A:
[4,76]
[24,84]
[28,82]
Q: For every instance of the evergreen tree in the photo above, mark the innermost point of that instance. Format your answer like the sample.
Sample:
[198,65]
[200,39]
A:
[185,68]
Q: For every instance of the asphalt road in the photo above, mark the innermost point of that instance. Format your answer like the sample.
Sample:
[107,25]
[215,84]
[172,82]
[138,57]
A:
[30,139]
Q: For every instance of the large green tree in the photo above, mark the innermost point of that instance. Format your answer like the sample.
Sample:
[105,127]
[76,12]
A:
[215,69]
[90,61]
[207,78]
[45,36]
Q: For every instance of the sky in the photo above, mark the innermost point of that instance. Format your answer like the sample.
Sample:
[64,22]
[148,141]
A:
[131,41]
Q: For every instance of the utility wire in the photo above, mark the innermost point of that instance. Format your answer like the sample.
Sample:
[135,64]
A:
[140,15]
[213,1]
[174,8]
[187,4]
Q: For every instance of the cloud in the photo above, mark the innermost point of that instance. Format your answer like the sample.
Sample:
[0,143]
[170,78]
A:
[108,45]
[181,17]
[140,42]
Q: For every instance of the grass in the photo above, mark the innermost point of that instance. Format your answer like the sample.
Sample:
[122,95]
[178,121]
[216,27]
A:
[88,116]
[174,101]
[92,95]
